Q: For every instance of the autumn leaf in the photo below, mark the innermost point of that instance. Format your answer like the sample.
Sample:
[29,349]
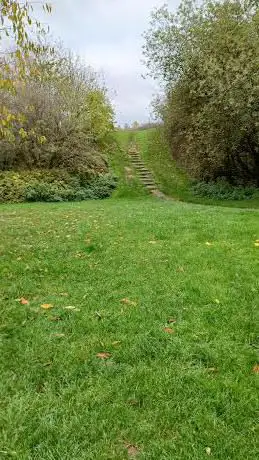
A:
[133,450]
[24,301]
[168,330]
[47,306]
[171,320]
[180,269]
[256,369]
[72,308]
[128,302]
[103,355]
[55,318]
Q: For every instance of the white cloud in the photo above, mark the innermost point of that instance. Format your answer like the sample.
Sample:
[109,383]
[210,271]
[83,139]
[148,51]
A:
[107,34]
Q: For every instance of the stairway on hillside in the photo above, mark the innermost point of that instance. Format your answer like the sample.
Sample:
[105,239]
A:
[143,173]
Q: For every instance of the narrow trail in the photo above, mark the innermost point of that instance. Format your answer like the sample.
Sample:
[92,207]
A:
[143,173]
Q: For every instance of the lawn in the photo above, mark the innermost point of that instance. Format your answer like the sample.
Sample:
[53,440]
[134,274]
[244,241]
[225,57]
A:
[136,335]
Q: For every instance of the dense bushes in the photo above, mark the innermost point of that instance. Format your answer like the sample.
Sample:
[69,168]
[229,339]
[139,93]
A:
[222,190]
[207,57]
[51,186]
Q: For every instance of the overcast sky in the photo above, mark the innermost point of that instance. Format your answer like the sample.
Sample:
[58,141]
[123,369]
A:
[107,35]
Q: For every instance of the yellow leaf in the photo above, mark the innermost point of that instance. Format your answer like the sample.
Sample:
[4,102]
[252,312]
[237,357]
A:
[47,306]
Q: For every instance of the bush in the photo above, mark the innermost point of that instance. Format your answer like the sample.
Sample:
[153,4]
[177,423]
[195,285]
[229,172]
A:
[53,186]
[222,190]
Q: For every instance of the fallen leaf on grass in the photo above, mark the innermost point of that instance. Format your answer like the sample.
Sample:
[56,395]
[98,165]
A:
[208,450]
[70,307]
[171,320]
[133,450]
[64,294]
[55,318]
[24,301]
[59,336]
[180,269]
[128,302]
[47,306]
[103,355]
[133,402]
[152,242]
[168,330]
[117,342]
[256,369]
[212,369]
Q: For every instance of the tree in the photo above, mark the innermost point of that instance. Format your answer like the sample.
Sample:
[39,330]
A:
[135,125]
[67,116]
[207,58]
[17,25]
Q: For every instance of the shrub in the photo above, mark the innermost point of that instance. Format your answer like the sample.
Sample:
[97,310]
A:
[222,190]
[53,186]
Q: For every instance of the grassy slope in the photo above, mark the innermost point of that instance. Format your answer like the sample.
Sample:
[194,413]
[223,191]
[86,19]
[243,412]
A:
[119,160]
[171,395]
[171,180]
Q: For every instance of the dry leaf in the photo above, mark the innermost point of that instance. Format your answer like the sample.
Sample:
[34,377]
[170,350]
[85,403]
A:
[64,294]
[70,307]
[47,306]
[171,320]
[103,355]
[212,369]
[55,318]
[58,335]
[152,242]
[133,402]
[208,450]
[133,451]
[256,369]
[168,330]
[24,301]
[128,302]
[180,269]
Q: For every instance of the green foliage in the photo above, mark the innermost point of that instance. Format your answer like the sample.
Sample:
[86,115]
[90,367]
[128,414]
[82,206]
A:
[222,190]
[208,56]
[53,186]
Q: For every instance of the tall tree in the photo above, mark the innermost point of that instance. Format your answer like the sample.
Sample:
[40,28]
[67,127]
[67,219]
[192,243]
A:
[17,29]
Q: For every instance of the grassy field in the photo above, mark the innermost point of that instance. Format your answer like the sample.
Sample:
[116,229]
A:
[136,335]
[171,180]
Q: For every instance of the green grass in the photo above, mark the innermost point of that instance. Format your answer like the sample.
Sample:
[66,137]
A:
[171,180]
[171,395]
[120,162]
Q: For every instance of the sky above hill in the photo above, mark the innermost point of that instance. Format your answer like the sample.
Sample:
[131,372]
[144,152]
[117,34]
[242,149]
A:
[107,34]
